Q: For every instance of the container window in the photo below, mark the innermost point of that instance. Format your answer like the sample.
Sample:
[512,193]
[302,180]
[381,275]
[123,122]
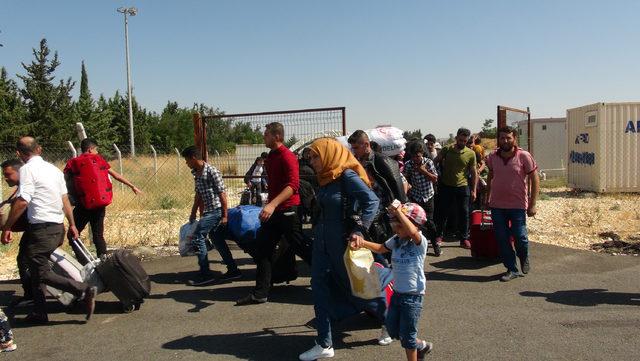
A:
[590,119]
[544,127]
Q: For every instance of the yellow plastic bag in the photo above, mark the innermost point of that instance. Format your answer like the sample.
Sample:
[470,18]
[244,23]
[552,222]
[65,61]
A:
[363,274]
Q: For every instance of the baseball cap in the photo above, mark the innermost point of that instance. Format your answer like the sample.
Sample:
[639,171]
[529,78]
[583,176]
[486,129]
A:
[414,212]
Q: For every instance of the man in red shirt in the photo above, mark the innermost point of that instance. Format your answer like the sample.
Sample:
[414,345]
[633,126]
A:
[279,216]
[512,171]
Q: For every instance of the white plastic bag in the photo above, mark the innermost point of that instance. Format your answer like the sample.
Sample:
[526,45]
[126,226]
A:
[185,246]
[363,274]
[390,139]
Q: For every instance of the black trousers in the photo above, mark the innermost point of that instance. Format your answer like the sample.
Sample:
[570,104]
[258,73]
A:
[282,223]
[95,218]
[453,200]
[42,240]
[23,267]
[430,226]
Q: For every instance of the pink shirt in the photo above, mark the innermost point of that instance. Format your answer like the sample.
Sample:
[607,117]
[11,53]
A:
[509,182]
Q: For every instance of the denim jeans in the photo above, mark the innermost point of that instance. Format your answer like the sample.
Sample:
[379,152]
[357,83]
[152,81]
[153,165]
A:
[219,236]
[518,230]
[208,222]
[402,318]
[453,200]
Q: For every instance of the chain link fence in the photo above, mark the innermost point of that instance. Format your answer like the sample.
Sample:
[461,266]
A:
[151,218]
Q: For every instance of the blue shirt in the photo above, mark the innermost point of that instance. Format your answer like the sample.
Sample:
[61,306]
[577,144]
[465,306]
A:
[407,261]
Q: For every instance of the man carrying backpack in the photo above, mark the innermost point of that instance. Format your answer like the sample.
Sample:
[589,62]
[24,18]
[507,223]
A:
[88,176]
[387,181]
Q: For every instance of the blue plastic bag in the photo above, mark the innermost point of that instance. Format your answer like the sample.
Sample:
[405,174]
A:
[244,223]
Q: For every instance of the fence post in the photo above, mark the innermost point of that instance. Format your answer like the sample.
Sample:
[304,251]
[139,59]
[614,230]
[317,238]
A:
[120,163]
[72,149]
[155,163]
[178,163]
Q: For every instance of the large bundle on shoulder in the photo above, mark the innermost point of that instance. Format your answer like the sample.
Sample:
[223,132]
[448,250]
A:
[390,139]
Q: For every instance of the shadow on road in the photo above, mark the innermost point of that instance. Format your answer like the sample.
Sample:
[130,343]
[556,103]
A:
[587,297]
[271,343]
[202,298]
[455,277]
[464,263]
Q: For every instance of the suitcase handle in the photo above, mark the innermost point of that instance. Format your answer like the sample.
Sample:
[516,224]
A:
[83,249]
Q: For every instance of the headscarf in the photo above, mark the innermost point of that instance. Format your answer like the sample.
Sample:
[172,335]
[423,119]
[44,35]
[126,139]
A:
[335,159]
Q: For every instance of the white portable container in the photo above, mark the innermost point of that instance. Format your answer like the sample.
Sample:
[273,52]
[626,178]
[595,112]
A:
[604,147]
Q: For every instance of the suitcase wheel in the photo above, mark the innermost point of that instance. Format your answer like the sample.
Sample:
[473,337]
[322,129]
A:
[128,308]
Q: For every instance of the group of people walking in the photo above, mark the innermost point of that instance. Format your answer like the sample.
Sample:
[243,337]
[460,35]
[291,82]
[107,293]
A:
[397,211]
[362,199]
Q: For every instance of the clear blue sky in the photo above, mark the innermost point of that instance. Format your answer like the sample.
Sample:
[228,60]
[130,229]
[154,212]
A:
[432,65]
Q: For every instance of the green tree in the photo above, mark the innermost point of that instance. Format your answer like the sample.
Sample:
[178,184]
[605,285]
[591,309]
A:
[412,135]
[488,130]
[143,121]
[50,107]
[12,110]
[291,141]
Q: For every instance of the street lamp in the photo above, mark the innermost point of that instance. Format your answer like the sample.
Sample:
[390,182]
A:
[129,11]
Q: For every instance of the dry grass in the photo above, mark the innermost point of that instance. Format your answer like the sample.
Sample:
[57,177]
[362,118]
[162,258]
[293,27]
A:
[152,218]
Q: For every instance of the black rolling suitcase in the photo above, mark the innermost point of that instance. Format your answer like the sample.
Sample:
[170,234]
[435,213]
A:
[123,274]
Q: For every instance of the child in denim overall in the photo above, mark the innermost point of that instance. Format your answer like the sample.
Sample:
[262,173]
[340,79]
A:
[408,250]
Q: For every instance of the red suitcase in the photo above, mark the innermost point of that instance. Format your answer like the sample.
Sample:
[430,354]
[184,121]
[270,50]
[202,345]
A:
[483,238]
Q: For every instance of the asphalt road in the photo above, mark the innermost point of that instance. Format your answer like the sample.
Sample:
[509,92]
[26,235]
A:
[574,305]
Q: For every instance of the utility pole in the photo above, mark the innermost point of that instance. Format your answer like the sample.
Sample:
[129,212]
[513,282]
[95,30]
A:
[129,11]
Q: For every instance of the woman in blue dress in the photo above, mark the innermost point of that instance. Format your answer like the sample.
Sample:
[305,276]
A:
[339,173]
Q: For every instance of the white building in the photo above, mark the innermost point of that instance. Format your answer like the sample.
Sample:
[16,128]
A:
[548,144]
[604,147]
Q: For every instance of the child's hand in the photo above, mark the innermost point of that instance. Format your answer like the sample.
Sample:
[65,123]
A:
[356,241]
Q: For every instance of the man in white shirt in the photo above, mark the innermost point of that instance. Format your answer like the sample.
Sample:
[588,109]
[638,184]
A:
[43,194]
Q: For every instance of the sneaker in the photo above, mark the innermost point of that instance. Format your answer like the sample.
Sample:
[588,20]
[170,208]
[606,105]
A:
[250,300]
[524,265]
[384,338]
[466,244]
[316,352]
[510,276]
[425,350]
[90,300]
[21,302]
[230,275]
[437,250]
[202,280]
[8,346]
[35,319]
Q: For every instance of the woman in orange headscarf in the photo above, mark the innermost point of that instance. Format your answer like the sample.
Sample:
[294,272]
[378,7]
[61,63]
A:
[339,174]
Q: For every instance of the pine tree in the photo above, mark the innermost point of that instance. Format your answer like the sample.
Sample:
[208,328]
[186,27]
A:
[12,109]
[85,102]
[50,107]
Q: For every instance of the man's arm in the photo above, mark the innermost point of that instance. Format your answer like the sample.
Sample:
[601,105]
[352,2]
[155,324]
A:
[17,208]
[117,176]
[489,179]
[474,178]
[194,207]
[268,210]
[224,207]
[66,207]
[534,180]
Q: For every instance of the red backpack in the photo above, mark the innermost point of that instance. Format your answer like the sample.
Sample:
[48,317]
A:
[91,183]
